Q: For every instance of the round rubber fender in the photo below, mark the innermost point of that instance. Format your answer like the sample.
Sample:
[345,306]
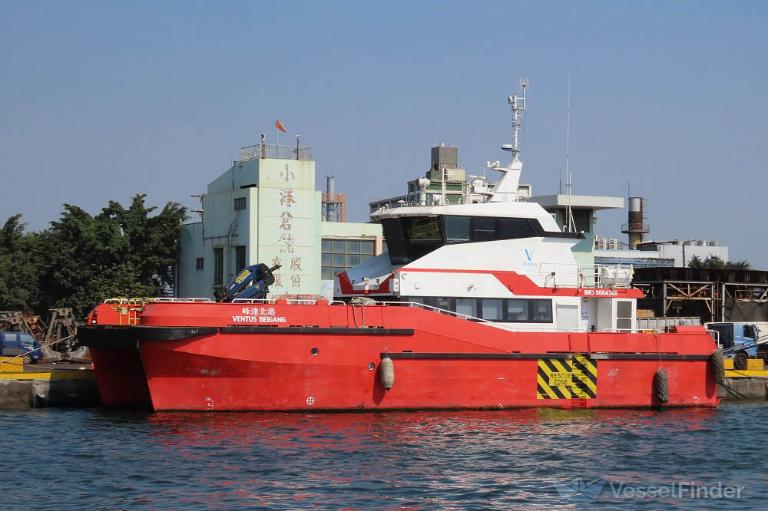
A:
[718,366]
[661,385]
[740,361]
[387,373]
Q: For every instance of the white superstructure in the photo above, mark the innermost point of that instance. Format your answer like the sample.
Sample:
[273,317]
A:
[495,258]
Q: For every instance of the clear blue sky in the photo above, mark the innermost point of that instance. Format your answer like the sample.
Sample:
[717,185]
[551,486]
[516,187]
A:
[102,100]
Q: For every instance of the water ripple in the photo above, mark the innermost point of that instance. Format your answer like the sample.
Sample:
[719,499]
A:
[102,459]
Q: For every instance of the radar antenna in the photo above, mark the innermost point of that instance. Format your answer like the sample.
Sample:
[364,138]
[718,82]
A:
[506,188]
[517,103]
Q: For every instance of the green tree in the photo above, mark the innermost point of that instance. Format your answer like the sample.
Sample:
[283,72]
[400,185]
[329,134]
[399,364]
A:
[82,259]
[18,264]
[714,262]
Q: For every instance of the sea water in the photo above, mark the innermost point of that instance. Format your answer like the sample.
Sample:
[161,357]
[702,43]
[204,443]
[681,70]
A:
[82,459]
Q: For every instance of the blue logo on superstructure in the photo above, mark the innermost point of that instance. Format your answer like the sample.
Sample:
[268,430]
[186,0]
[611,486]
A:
[528,255]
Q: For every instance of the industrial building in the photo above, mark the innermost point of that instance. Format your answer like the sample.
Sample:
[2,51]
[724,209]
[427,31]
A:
[709,294]
[444,183]
[672,289]
[650,254]
[265,208]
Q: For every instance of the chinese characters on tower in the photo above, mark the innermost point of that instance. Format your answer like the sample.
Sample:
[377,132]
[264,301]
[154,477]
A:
[285,227]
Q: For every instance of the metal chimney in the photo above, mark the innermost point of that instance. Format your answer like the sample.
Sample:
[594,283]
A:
[635,227]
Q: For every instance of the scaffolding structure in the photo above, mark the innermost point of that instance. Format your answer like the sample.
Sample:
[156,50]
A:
[711,294]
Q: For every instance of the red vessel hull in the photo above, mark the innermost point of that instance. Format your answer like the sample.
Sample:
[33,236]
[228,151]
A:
[324,357]
[120,377]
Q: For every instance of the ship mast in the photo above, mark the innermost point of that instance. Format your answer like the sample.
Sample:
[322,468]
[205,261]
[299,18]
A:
[517,103]
[506,188]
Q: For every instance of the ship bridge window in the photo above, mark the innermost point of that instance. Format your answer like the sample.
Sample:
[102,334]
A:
[484,229]
[396,245]
[422,235]
[456,228]
[409,238]
[423,229]
[512,228]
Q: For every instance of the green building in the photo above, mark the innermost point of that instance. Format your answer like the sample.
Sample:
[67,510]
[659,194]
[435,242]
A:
[266,209]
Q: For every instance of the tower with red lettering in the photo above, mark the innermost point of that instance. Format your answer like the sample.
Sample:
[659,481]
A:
[263,209]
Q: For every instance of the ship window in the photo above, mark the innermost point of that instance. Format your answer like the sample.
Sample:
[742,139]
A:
[484,229]
[517,310]
[456,228]
[466,306]
[423,229]
[396,245]
[512,228]
[492,309]
[542,311]
[442,302]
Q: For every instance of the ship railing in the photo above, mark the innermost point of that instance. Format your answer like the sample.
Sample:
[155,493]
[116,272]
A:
[130,301]
[182,300]
[442,311]
[611,276]
[291,301]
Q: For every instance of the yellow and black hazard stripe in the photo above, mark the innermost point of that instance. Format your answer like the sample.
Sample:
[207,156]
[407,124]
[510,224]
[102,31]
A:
[567,379]
[584,376]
